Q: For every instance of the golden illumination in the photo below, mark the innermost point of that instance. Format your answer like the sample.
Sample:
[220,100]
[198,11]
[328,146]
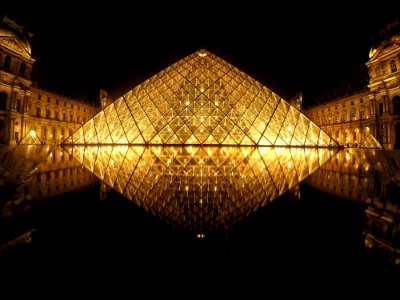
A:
[30,139]
[370,142]
[201,100]
[200,188]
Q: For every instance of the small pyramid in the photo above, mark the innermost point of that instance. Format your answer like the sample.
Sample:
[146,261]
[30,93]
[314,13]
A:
[371,142]
[30,138]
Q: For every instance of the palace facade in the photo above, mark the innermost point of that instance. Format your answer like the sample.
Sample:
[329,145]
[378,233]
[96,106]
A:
[349,120]
[25,108]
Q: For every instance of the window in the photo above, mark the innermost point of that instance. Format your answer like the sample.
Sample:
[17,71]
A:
[3,101]
[7,62]
[56,101]
[343,104]
[64,117]
[70,118]
[396,105]
[362,113]
[18,105]
[393,66]
[39,97]
[48,113]
[38,111]
[361,100]
[380,108]
[353,114]
[22,68]
[16,136]
[343,117]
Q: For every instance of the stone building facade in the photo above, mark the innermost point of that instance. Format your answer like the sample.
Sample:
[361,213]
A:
[375,110]
[25,107]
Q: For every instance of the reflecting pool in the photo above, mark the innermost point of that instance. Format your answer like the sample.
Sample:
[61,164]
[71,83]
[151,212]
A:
[230,211]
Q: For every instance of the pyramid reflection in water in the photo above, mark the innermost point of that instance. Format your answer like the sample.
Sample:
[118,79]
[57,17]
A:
[201,189]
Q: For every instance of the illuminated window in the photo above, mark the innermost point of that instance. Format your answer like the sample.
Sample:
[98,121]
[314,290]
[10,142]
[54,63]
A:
[343,117]
[362,113]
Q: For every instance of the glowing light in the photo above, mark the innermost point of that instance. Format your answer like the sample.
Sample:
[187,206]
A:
[215,176]
[200,235]
[32,133]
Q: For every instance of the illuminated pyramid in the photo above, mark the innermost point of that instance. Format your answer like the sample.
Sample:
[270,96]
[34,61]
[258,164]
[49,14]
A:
[31,138]
[371,142]
[201,100]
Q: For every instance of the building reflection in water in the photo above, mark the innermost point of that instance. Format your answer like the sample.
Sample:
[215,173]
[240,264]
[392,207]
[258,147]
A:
[29,174]
[371,177]
[197,188]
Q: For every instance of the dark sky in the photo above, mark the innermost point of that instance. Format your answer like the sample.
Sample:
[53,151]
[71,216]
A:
[288,48]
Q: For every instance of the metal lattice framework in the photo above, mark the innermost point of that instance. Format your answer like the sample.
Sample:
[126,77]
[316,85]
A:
[371,142]
[201,189]
[201,100]
[31,138]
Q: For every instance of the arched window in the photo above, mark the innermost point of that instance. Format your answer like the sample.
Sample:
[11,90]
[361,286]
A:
[393,66]
[396,105]
[3,101]
[22,69]
[7,62]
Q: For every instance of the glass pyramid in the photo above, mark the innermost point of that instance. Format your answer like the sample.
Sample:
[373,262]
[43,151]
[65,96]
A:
[31,138]
[201,189]
[201,100]
[371,142]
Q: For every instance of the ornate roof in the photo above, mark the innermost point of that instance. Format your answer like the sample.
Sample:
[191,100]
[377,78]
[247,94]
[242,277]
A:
[201,100]
[12,38]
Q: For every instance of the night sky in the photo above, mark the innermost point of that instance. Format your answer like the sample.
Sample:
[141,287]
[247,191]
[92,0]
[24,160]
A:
[289,48]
